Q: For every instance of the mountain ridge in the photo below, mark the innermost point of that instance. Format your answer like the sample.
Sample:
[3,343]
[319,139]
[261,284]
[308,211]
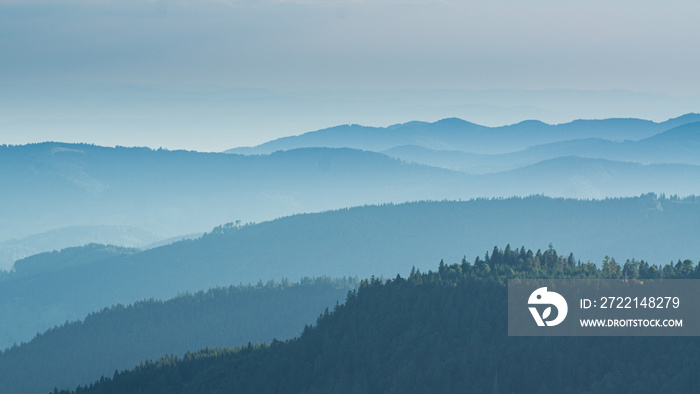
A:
[678,145]
[443,330]
[179,192]
[362,241]
[121,336]
[384,138]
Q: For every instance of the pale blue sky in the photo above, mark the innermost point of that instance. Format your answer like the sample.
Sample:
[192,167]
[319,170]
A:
[162,73]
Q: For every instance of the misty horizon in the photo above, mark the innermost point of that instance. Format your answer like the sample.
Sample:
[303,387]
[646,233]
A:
[215,75]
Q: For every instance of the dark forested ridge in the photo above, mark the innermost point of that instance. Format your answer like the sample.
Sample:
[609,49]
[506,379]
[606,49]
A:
[441,331]
[363,241]
[121,336]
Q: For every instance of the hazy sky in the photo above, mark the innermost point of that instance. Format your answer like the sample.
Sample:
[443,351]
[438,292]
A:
[209,75]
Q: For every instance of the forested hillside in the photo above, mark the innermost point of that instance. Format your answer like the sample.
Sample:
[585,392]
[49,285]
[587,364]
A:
[66,237]
[440,331]
[48,262]
[120,337]
[363,241]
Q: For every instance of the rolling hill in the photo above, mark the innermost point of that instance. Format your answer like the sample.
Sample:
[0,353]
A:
[576,177]
[176,192]
[61,186]
[58,189]
[121,336]
[679,145]
[443,193]
[444,331]
[15,249]
[363,241]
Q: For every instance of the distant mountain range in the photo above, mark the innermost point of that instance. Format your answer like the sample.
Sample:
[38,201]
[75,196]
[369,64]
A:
[158,194]
[170,193]
[50,288]
[460,135]
[679,145]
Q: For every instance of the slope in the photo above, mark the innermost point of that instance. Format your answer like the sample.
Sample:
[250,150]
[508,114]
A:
[679,145]
[53,185]
[363,241]
[577,177]
[443,332]
[57,239]
[172,193]
[121,336]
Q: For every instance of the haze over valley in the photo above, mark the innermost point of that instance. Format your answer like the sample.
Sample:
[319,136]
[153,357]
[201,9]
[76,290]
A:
[344,202]
[73,194]
[214,196]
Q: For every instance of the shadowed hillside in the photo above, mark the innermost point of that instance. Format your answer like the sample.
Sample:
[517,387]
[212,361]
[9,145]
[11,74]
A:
[122,336]
[438,332]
